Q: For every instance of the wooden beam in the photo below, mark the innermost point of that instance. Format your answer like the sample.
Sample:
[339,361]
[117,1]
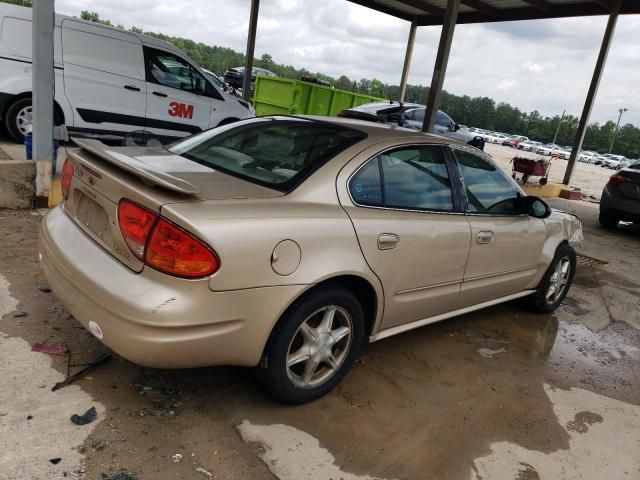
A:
[424,6]
[543,5]
[482,7]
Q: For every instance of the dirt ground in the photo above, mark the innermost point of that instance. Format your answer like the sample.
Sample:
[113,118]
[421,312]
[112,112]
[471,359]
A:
[590,178]
[496,394]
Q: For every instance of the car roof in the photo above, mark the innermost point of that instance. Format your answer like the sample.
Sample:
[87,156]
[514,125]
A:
[378,131]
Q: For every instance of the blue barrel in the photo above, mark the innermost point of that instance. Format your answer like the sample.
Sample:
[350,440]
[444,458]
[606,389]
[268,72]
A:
[28,143]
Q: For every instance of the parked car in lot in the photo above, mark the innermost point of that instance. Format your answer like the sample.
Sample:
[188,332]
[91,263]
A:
[285,243]
[235,76]
[620,200]
[528,145]
[512,142]
[411,115]
[548,149]
[109,81]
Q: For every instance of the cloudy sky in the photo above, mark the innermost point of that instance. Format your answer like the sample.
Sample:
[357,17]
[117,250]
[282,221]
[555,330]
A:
[543,64]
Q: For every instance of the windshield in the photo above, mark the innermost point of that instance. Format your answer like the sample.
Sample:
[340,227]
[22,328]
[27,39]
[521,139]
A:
[275,152]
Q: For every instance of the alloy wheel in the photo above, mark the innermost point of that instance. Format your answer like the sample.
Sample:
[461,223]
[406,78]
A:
[559,280]
[319,347]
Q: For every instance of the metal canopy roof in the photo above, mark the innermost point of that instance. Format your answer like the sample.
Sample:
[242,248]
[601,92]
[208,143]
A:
[431,12]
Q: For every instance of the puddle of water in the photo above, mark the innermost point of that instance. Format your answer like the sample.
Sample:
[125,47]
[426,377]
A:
[604,441]
[291,454]
[28,445]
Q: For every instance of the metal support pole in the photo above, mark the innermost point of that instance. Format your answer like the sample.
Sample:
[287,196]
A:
[440,67]
[251,44]
[555,136]
[593,90]
[615,132]
[407,60]
[43,23]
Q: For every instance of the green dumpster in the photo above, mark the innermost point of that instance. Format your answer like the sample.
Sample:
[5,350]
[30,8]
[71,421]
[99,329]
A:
[283,96]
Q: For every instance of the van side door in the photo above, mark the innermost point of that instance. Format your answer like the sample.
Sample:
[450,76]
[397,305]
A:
[179,102]
[103,78]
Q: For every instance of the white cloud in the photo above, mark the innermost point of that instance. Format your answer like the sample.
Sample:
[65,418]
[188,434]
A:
[551,60]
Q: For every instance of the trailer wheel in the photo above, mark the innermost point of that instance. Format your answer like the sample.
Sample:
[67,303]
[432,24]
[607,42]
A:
[543,181]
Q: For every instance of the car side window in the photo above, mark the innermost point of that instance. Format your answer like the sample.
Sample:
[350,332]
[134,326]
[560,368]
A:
[414,178]
[167,69]
[418,115]
[366,186]
[444,120]
[487,188]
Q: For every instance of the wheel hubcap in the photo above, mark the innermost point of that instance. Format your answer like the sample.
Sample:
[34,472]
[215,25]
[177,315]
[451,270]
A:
[24,120]
[319,347]
[559,280]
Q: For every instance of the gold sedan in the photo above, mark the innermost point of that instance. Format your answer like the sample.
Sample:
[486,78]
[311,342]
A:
[285,243]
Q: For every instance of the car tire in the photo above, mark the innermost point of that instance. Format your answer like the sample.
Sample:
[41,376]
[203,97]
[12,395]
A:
[608,220]
[15,116]
[555,283]
[17,113]
[304,329]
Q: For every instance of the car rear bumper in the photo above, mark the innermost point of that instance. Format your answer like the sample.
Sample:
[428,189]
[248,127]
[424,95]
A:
[153,319]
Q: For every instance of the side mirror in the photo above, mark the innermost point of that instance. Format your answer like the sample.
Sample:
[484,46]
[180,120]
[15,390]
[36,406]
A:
[536,207]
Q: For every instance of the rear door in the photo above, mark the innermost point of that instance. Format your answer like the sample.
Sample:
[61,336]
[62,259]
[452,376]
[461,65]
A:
[178,100]
[411,230]
[505,244]
[103,78]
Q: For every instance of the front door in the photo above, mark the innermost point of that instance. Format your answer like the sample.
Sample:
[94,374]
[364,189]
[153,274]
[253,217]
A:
[176,101]
[505,243]
[411,230]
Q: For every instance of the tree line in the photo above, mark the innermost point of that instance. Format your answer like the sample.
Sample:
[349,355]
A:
[482,112]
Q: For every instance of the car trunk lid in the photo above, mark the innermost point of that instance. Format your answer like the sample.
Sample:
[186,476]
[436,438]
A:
[631,187]
[150,177]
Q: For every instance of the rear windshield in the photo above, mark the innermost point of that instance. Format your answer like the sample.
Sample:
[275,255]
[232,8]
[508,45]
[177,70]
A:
[274,152]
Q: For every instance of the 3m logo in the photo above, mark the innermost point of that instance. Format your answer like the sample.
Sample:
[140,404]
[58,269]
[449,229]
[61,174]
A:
[178,109]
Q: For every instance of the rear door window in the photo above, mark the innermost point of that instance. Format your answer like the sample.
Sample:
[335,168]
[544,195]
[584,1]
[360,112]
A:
[412,178]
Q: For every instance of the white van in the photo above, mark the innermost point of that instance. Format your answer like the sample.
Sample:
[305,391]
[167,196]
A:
[109,81]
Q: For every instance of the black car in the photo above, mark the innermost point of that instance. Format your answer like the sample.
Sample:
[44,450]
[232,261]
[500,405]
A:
[235,76]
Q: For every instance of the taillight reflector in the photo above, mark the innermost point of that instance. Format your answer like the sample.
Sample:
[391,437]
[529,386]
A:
[162,245]
[617,180]
[172,250]
[135,224]
[67,176]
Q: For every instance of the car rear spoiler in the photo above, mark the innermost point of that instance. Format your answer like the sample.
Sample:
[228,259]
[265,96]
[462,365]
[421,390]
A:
[145,172]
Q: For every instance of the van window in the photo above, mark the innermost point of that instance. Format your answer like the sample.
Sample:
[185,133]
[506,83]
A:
[100,52]
[167,69]
[16,35]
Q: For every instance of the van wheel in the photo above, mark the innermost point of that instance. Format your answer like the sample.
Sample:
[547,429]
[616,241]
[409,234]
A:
[556,282]
[313,346]
[19,118]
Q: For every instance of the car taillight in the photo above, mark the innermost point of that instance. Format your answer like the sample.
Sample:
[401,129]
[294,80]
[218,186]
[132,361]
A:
[617,180]
[172,250]
[162,245]
[67,175]
[135,224]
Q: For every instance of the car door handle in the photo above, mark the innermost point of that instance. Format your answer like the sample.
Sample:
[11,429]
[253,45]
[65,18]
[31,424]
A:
[387,241]
[160,94]
[132,87]
[485,237]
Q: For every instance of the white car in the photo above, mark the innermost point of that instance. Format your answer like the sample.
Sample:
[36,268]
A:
[109,81]
[548,149]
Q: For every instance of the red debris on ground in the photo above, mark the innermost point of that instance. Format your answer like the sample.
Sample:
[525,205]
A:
[52,348]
